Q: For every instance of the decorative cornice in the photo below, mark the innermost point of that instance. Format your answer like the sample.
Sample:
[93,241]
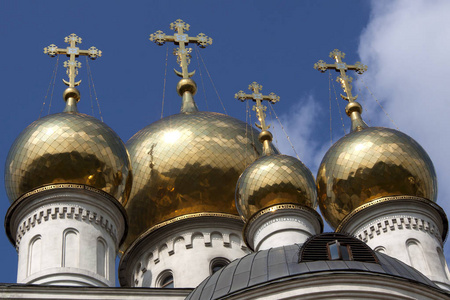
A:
[175,220]
[66,211]
[400,222]
[390,199]
[190,216]
[63,186]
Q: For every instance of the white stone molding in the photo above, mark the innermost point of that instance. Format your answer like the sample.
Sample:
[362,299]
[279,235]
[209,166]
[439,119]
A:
[185,248]
[280,225]
[68,221]
[404,227]
[85,293]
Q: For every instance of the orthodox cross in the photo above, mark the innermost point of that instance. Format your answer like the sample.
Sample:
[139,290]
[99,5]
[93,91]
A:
[181,39]
[258,97]
[342,67]
[72,52]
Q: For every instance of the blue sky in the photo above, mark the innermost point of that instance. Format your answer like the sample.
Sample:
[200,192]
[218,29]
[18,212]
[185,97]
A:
[273,43]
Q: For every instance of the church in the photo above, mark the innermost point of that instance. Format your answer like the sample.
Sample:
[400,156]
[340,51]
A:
[200,205]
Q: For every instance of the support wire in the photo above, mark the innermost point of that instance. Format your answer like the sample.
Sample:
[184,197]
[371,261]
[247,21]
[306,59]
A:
[52,80]
[164,85]
[337,101]
[93,88]
[53,89]
[287,136]
[201,77]
[381,106]
[209,75]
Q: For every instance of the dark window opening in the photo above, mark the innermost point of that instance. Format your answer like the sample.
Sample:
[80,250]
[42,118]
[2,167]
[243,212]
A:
[339,251]
[336,246]
[167,282]
[218,263]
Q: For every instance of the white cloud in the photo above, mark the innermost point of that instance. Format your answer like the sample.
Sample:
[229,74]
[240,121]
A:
[406,46]
[298,124]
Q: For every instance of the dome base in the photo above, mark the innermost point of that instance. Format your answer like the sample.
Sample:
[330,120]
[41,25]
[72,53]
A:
[194,242]
[66,234]
[280,225]
[410,229]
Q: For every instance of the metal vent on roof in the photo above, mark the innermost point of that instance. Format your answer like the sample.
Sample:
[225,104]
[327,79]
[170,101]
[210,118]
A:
[317,248]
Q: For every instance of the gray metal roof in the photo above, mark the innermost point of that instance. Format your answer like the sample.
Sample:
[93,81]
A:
[282,262]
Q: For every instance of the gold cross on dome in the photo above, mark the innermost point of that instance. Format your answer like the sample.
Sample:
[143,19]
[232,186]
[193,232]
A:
[342,67]
[72,52]
[181,39]
[258,97]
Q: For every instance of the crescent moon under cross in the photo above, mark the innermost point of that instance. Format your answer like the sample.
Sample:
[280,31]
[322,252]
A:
[190,74]
[349,99]
[68,83]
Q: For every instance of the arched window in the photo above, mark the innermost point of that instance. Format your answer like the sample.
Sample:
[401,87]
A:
[102,258]
[34,255]
[380,249]
[71,248]
[166,280]
[443,262]
[416,256]
[147,279]
[217,264]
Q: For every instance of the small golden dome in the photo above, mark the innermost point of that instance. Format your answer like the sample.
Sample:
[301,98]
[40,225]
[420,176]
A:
[274,179]
[372,163]
[68,147]
[187,163]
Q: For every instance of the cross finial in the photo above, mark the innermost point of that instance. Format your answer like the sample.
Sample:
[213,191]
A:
[72,52]
[181,39]
[353,109]
[258,97]
[342,67]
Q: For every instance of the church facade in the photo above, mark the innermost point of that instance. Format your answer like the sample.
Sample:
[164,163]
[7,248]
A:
[200,205]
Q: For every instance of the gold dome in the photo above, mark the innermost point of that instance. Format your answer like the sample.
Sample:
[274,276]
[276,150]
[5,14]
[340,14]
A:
[274,179]
[372,163]
[68,147]
[187,163]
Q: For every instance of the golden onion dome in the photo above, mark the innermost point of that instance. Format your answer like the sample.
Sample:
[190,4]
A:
[68,147]
[187,163]
[274,179]
[371,163]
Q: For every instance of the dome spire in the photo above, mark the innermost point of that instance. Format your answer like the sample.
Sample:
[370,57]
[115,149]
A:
[71,94]
[265,137]
[353,108]
[186,87]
